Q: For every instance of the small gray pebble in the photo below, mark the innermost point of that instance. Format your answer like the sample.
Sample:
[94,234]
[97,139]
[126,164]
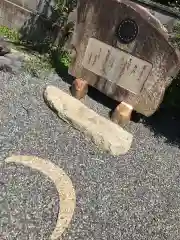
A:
[4,50]
[5,64]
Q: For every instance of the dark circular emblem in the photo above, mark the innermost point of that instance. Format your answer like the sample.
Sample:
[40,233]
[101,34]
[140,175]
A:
[127,31]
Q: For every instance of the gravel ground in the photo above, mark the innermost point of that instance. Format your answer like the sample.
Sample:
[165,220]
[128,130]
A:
[136,196]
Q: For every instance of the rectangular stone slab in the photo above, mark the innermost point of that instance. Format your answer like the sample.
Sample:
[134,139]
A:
[102,131]
[115,65]
[152,44]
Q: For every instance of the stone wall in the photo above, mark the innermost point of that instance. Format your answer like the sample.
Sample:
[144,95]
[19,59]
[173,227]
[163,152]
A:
[30,4]
[14,13]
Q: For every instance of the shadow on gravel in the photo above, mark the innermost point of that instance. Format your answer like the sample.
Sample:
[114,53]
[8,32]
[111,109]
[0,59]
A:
[60,68]
[165,122]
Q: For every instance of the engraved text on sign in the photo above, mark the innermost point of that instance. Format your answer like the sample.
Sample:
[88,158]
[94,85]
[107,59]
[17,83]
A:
[117,66]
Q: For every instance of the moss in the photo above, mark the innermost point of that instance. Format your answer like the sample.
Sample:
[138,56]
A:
[37,64]
[11,34]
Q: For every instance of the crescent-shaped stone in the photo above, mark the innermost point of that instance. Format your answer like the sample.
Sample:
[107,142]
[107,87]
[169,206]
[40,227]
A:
[63,184]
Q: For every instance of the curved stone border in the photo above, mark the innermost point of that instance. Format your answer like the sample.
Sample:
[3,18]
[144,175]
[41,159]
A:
[63,184]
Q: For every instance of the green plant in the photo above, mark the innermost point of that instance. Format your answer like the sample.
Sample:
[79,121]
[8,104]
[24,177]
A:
[65,59]
[64,7]
[11,34]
